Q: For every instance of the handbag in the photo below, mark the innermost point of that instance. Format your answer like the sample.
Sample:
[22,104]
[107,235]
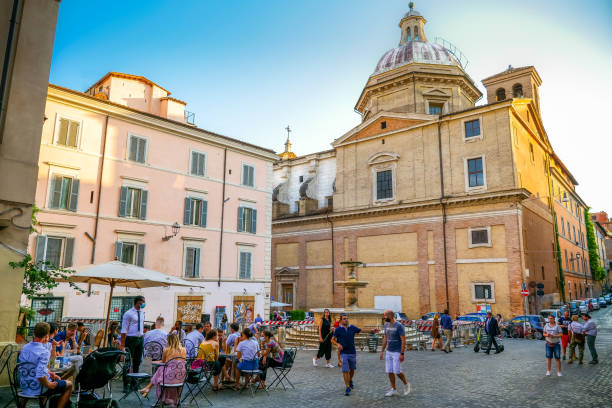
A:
[579,338]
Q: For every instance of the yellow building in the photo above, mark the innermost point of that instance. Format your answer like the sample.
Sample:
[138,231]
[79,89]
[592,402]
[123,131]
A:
[446,203]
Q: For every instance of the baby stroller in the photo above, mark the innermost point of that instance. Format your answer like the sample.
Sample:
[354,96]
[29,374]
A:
[98,369]
[483,339]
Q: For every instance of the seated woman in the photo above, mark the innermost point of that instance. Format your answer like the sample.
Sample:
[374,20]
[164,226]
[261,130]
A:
[246,352]
[272,355]
[113,335]
[209,352]
[174,349]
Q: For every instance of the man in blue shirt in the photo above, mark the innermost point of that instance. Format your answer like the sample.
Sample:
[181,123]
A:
[394,342]
[35,378]
[68,338]
[193,340]
[344,339]
[447,325]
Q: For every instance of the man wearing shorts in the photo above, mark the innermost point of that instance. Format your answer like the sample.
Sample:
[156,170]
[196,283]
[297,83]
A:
[564,322]
[552,335]
[36,379]
[394,342]
[344,339]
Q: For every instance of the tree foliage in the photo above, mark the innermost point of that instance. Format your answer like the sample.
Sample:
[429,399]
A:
[40,277]
[597,272]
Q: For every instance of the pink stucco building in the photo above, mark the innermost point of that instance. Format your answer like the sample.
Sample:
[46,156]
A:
[120,165]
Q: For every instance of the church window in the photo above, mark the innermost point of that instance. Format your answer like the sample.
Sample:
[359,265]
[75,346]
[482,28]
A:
[472,128]
[435,108]
[517,91]
[475,173]
[501,94]
[408,36]
[416,34]
[383,124]
[479,237]
[384,184]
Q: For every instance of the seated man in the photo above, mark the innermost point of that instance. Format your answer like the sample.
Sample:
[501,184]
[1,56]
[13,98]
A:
[195,337]
[37,354]
[67,339]
[157,334]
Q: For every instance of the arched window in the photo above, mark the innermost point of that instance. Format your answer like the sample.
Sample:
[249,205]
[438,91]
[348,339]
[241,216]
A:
[517,91]
[501,94]
[416,34]
[408,36]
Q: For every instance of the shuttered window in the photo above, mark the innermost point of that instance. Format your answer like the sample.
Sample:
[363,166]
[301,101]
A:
[244,270]
[247,220]
[248,175]
[195,212]
[480,236]
[384,184]
[192,262]
[58,252]
[137,149]
[483,292]
[130,252]
[68,132]
[198,164]
[64,193]
[472,128]
[133,202]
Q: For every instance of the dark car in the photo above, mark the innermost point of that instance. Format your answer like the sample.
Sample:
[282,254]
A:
[574,308]
[536,322]
[602,302]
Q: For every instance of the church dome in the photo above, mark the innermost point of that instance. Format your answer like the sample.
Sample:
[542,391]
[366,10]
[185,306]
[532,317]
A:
[415,51]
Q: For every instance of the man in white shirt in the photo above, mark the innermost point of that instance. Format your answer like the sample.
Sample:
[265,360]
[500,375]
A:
[590,330]
[193,340]
[158,334]
[132,330]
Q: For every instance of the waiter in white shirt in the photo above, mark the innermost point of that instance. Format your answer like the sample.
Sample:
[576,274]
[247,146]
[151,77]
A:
[132,330]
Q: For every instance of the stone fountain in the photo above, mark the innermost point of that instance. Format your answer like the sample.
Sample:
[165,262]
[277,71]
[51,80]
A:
[357,316]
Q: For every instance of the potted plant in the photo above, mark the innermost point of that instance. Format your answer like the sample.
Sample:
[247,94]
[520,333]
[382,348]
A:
[26,314]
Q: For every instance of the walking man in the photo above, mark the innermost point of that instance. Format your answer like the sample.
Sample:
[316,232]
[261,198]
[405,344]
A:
[344,339]
[132,330]
[447,326]
[564,322]
[590,330]
[492,330]
[394,342]
[577,339]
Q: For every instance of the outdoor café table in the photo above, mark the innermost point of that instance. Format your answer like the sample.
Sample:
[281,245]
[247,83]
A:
[231,357]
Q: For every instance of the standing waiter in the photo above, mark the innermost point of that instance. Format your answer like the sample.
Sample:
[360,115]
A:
[132,330]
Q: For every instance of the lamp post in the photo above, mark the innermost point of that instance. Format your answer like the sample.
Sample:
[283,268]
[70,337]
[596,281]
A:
[175,230]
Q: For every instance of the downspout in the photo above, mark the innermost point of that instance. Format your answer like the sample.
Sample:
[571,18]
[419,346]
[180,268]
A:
[443,204]
[333,264]
[222,213]
[9,61]
[101,173]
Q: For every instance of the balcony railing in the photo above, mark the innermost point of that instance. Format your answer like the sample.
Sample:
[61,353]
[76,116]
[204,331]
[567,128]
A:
[190,117]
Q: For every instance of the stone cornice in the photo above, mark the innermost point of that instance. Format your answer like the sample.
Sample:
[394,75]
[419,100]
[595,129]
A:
[500,196]
[86,102]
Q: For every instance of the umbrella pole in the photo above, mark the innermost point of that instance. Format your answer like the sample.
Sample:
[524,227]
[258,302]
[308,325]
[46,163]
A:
[110,298]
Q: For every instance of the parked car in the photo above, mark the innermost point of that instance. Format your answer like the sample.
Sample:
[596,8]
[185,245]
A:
[473,317]
[583,306]
[608,298]
[536,322]
[595,303]
[557,313]
[401,316]
[574,307]
[428,316]
[602,302]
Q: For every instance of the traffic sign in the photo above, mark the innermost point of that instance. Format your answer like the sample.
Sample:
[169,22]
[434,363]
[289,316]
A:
[525,292]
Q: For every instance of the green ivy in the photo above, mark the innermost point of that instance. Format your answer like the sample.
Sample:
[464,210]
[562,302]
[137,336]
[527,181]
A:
[597,272]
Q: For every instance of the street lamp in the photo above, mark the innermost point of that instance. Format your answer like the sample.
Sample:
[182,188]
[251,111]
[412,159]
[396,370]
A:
[175,230]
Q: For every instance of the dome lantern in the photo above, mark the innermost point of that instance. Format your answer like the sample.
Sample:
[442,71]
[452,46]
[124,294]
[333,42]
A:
[412,26]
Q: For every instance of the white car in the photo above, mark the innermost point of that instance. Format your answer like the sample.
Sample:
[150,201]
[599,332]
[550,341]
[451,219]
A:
[583,307]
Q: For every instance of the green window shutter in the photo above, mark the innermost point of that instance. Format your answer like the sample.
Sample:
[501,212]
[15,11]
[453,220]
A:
[187,214]
[56,192]
[189,261]
[251,176]
[41,248]
[132,154]
[142,149]
[240,219]
[74,195]
[254,221]
[203,211]
[140,254]
[118,250]
[202,164]
[144,195]
[194,163]
[123,201]
[68,252]
[196,262]
[242,266]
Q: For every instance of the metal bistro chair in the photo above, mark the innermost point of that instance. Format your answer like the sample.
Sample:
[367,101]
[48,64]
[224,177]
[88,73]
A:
[250,374]
[9,366]
[282,371]
[190,348]
[4,357]
[198,379]
[26,389]
[154,350]
[132,381]
[173,379]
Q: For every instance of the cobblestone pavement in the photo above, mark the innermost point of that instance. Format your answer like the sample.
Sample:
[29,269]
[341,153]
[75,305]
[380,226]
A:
[514,378]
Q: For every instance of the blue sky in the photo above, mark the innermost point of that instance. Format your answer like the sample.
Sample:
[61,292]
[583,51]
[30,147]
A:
[249,68]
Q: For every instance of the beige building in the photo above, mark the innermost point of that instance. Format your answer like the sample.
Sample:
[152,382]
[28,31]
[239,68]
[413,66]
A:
[446,203]
[27,34]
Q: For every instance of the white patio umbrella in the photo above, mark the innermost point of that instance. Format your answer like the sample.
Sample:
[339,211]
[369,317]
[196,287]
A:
[117,273]
[279,304]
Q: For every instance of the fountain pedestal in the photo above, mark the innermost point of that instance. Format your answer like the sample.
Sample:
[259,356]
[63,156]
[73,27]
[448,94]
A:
[362,318]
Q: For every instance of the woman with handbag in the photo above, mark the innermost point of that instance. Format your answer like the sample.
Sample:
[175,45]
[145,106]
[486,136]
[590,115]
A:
[325,334]
[436,336]
[576,339]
